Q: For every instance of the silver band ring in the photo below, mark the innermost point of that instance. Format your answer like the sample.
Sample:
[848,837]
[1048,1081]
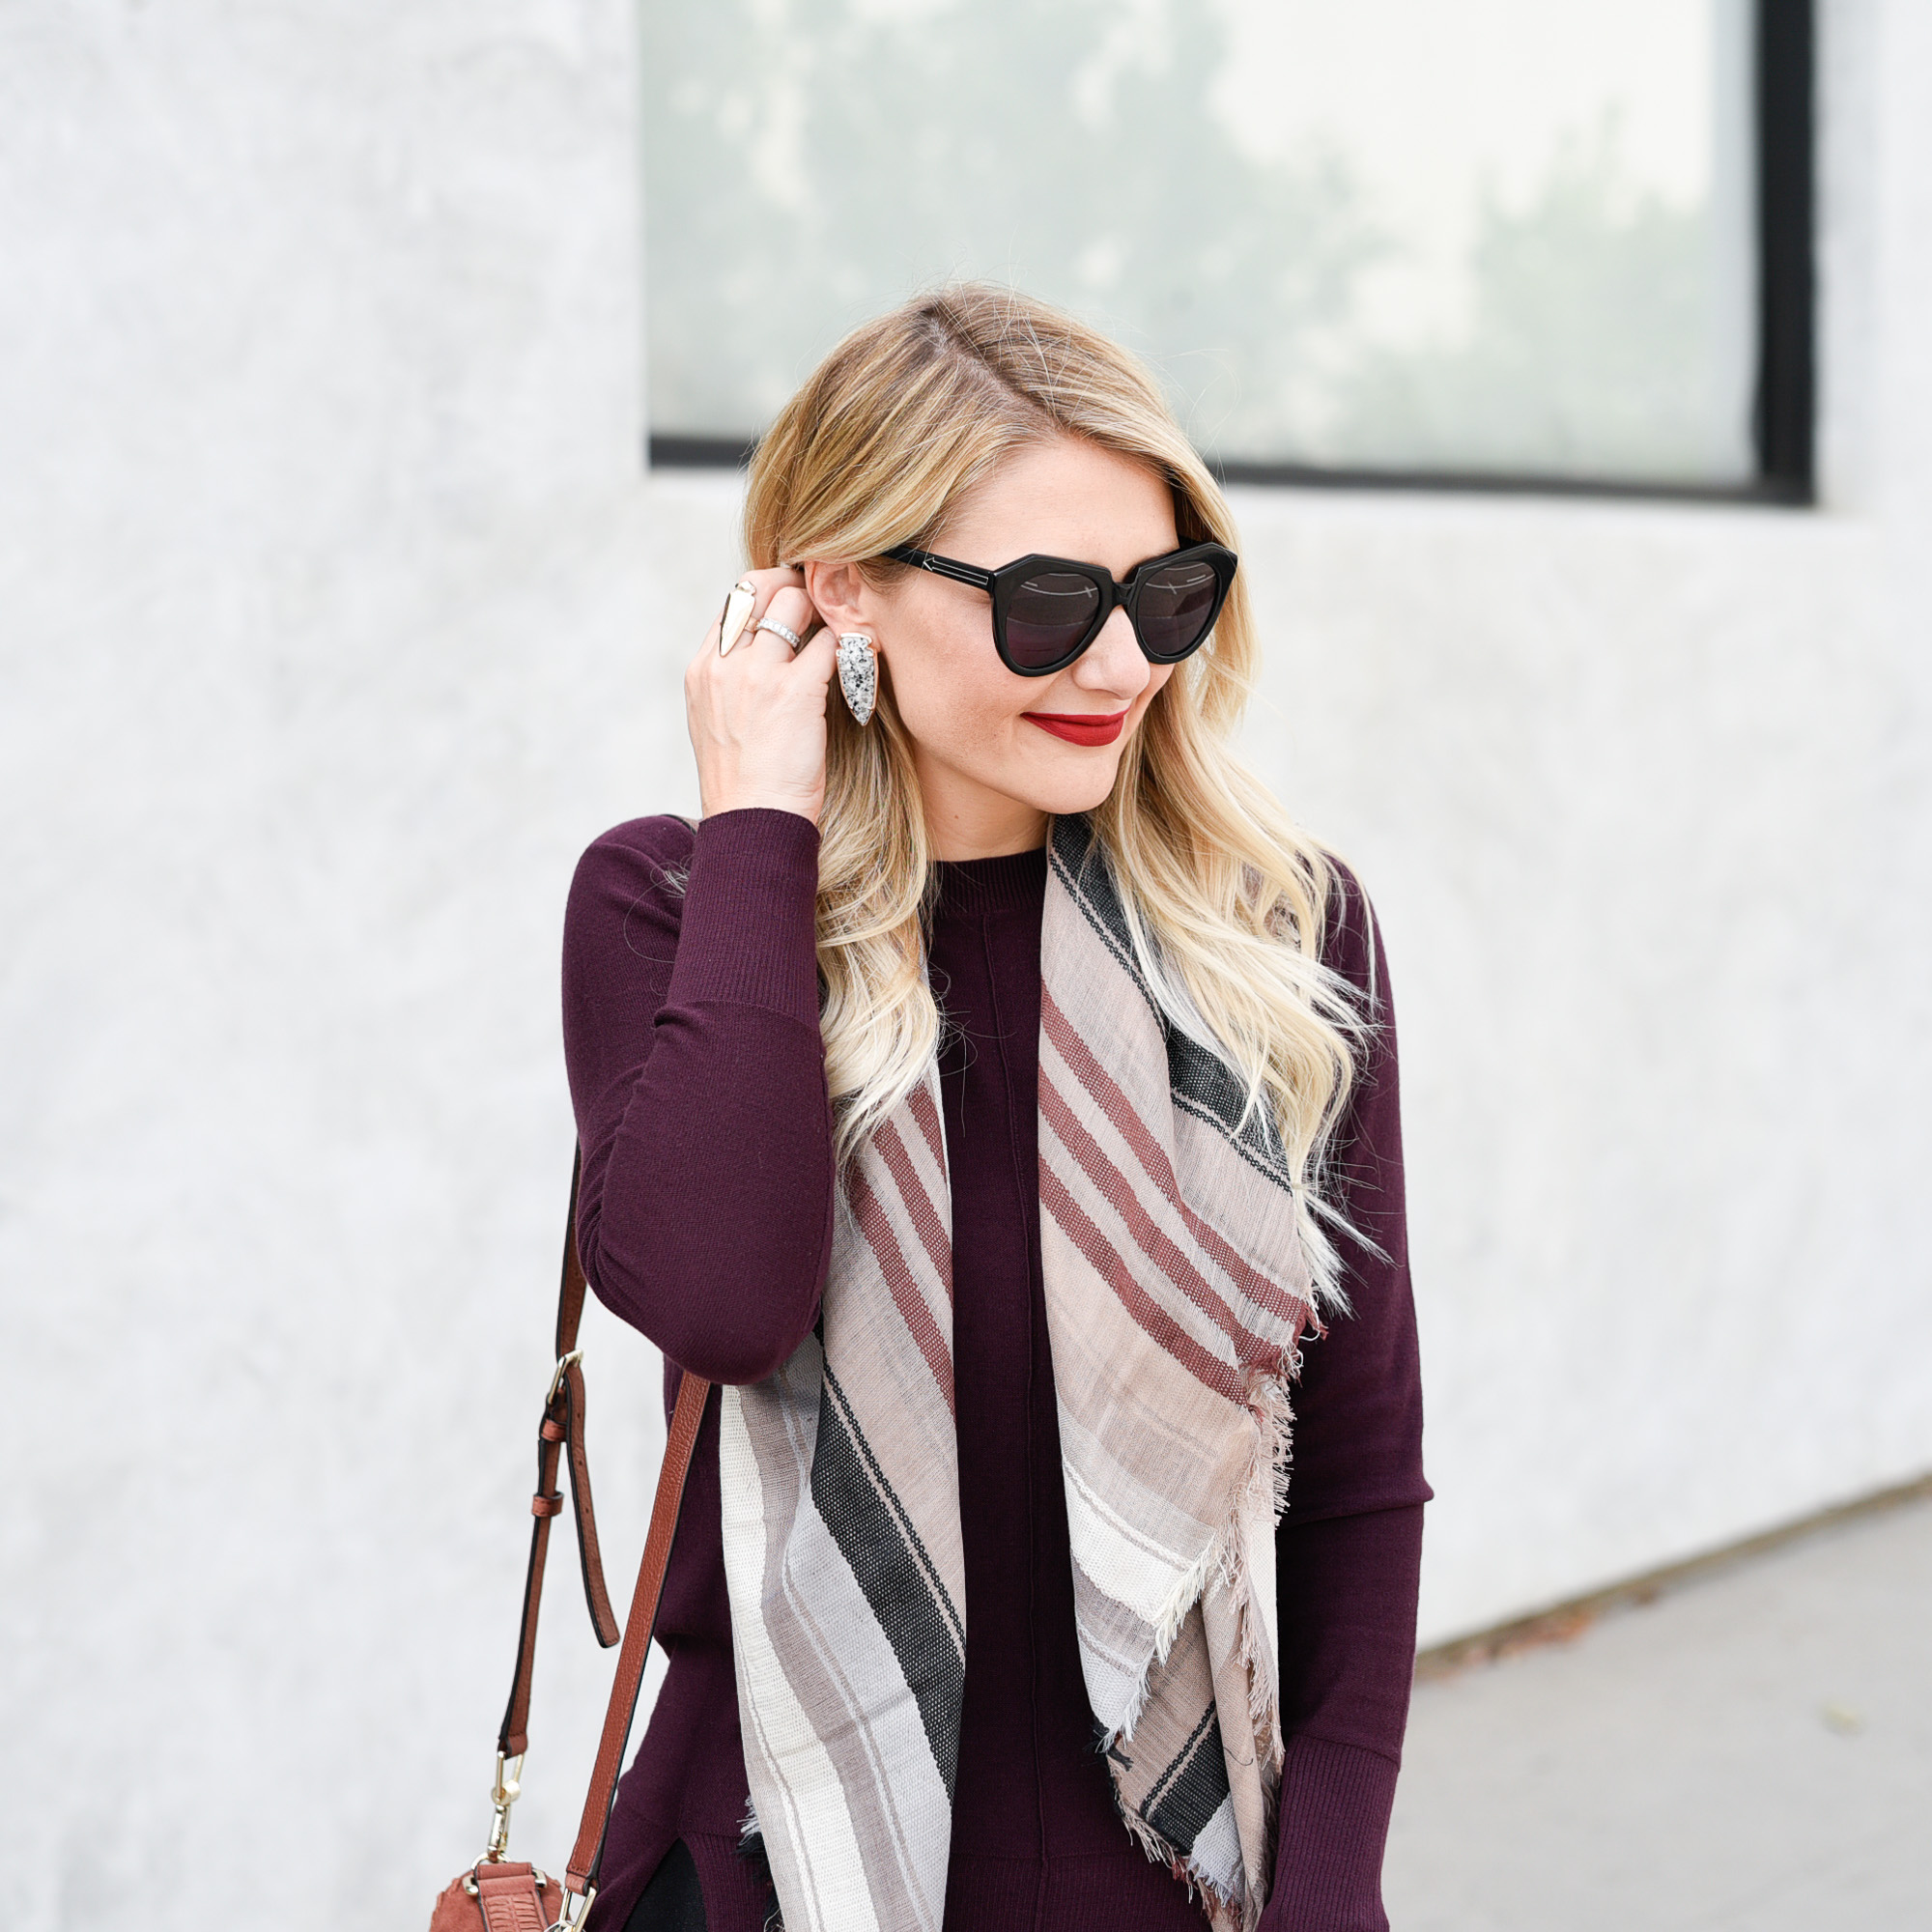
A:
[783,631]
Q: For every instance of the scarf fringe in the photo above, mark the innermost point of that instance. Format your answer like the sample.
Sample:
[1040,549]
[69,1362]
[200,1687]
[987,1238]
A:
[1263,1487]
[1222,1913]
[751,1849]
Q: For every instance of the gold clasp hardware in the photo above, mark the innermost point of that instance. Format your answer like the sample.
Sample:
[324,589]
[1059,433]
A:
[503,1795]
[571,1917]
[562,1370]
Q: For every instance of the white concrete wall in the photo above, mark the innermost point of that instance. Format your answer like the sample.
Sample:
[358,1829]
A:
[337,617]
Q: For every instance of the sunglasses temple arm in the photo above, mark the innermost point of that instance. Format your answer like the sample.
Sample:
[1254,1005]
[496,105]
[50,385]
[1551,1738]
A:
[943,566]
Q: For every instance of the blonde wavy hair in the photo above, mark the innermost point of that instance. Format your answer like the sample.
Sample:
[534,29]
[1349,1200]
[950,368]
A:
[1225,897]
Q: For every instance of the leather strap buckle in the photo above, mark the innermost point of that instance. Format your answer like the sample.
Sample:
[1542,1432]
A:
[563,1363]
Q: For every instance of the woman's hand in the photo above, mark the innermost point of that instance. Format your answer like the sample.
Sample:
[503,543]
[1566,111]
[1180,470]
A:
[757,717]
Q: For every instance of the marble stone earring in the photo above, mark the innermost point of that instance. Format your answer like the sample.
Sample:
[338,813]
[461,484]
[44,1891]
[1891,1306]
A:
[858,673]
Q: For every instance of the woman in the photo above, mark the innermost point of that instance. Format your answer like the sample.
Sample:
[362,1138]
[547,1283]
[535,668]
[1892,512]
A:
[997,1096]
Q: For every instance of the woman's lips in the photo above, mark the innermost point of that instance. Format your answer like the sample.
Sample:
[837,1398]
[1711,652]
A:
[1080,728]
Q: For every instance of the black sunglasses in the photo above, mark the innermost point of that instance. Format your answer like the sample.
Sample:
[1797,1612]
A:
[1047,609]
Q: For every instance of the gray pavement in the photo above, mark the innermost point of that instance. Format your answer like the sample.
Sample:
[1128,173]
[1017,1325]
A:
[1750,1753]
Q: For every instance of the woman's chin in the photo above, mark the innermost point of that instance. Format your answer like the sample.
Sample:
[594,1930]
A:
[1080,789]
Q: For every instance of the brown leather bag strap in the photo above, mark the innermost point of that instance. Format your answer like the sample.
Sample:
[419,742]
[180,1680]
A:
[561,1428]
[687,1417]
[571,1290]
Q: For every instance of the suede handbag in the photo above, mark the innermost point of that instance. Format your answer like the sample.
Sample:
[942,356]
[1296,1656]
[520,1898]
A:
[497,1893]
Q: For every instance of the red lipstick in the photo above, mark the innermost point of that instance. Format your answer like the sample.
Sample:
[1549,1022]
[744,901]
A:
[1080,728]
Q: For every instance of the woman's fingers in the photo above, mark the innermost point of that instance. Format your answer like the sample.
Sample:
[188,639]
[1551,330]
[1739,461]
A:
[764,585]
[757,712]
[820,657]
[791,607]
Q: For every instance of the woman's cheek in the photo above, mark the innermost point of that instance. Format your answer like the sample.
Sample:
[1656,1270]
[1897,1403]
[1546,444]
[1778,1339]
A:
[1156,684]
[972,714]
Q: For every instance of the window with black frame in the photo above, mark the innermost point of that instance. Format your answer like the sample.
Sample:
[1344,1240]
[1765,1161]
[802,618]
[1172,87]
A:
[1562,244]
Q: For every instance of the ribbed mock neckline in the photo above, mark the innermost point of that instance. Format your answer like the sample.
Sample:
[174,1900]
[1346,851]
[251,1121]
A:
[972,887]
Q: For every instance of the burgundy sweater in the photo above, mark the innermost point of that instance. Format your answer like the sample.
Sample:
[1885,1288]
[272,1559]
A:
[690,1034]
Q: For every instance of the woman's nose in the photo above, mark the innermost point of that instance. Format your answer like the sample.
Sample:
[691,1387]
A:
[1113,663]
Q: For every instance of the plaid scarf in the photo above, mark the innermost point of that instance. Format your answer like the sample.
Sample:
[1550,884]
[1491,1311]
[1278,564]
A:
[1177,1289]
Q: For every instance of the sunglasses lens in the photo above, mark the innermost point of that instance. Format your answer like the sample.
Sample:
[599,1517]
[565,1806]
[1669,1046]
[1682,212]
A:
[1175,605]
[1048,616]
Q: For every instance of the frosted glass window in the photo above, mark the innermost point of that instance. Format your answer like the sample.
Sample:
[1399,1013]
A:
[1511,236]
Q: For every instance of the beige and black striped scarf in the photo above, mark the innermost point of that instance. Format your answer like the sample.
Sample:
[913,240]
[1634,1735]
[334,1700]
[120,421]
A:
[1177,1289]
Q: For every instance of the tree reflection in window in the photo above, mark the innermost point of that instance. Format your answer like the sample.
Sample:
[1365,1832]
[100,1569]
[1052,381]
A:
[807,162]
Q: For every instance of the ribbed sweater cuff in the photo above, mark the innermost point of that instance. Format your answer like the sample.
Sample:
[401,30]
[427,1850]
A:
[747,930]
[1335,1804]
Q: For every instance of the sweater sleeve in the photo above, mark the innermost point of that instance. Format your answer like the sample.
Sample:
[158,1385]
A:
[1348,1549]
[698,1077]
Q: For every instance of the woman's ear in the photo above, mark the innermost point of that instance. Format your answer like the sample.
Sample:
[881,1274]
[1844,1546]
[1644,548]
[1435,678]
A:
[841,595]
